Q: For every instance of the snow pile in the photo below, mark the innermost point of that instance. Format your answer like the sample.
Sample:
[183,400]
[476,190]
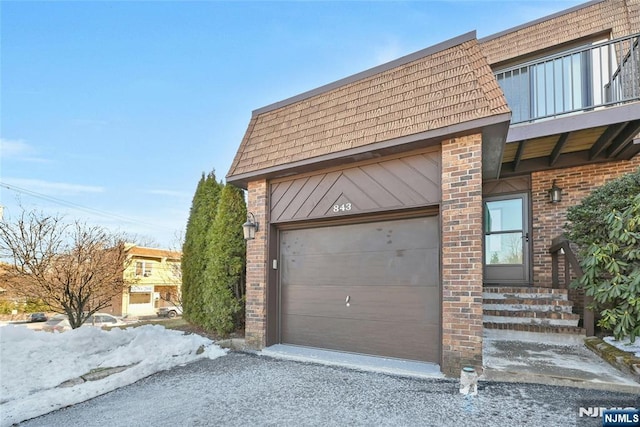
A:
[625,345]
[33,364]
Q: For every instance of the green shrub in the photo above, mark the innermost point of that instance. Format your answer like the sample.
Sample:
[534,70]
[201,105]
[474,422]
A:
[32,306]
[7,306]
[223,297]
[214,258]
[587,220]
[196,247]
[611,266]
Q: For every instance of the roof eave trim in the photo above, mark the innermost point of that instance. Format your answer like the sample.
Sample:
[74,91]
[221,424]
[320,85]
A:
[447,44]
[441,133]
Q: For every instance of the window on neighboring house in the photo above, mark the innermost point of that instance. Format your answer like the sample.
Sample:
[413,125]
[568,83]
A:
[140,298]
[175,269]
[143,269]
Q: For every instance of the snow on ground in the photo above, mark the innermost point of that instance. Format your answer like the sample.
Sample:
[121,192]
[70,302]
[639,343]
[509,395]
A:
[625,345]
[33,364]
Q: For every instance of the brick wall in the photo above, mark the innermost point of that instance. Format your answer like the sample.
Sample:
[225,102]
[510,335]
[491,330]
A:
[256,306]
[549,219]
[461,212]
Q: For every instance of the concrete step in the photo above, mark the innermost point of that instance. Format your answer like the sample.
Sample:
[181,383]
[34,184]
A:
[503,292]
[525,308]
[511,330]
[522,304]
[553,318]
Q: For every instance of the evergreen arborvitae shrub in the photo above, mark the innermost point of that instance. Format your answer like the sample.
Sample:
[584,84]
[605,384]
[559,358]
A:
[223,298]
[195,248]
[606,226]
[188,260]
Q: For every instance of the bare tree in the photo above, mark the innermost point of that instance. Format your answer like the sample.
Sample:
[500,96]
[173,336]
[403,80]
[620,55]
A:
[141,240]
[176,246]
[75,268]
[174,268]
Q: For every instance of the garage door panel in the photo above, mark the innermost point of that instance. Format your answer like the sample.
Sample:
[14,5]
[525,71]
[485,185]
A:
[379,236]
[390,339]
[401,267]
[389,270]
[400,303]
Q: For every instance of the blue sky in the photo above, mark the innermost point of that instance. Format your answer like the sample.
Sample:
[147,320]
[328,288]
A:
[111,111]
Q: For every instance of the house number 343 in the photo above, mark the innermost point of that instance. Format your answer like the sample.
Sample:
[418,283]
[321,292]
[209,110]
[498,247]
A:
[342,208]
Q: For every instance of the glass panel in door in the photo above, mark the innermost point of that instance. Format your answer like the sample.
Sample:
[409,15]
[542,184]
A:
[506,239]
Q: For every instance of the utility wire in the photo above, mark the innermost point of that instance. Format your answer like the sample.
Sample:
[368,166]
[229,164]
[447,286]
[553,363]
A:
[77,206]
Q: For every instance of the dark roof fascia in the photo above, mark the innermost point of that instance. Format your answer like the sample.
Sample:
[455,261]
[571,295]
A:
[447,44]
[493,143]
[358,152]
[539,20]
[591,119]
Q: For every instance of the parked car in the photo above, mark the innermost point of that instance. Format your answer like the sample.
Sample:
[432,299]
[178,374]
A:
[60,322]
[101,320]
[170,312]
[37,317]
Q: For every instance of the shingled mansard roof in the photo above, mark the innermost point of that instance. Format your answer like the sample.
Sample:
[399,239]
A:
[583,20]
[439,91]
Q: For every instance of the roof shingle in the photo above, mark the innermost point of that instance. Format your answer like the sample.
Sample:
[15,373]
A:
[442,88]
[596,17]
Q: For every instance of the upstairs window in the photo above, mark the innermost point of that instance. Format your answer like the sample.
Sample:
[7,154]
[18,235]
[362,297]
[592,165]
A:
[143,269]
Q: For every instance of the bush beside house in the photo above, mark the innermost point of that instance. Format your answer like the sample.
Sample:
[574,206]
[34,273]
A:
[214,259]
[606,226]
[203,210]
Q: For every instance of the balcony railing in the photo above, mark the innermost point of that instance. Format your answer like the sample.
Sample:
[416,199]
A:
[575,80]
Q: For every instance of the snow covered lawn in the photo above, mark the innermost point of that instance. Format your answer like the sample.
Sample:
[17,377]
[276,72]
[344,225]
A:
[41,372]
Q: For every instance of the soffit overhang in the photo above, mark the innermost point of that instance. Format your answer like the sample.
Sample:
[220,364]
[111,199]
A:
[607,134]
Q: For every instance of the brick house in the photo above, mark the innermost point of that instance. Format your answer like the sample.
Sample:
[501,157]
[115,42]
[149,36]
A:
[405,209]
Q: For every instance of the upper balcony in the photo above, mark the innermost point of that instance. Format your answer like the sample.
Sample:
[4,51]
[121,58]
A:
[574,107]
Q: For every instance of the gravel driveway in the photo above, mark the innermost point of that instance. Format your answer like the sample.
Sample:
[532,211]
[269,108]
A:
[244,389]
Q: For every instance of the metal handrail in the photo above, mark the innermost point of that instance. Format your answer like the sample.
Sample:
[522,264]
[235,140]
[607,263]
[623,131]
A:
[574,80]
[561,245]
[569,52]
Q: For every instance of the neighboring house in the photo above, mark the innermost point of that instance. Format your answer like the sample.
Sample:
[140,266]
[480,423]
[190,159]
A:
[6,290]
[406,208]
[8,293]
[156,281]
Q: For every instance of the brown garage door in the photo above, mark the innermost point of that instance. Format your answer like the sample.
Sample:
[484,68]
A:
[368,288]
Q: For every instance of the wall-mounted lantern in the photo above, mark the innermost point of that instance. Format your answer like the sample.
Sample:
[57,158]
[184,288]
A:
[250,227]
[555,193]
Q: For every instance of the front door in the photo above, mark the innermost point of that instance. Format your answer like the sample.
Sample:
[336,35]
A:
[506,239]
